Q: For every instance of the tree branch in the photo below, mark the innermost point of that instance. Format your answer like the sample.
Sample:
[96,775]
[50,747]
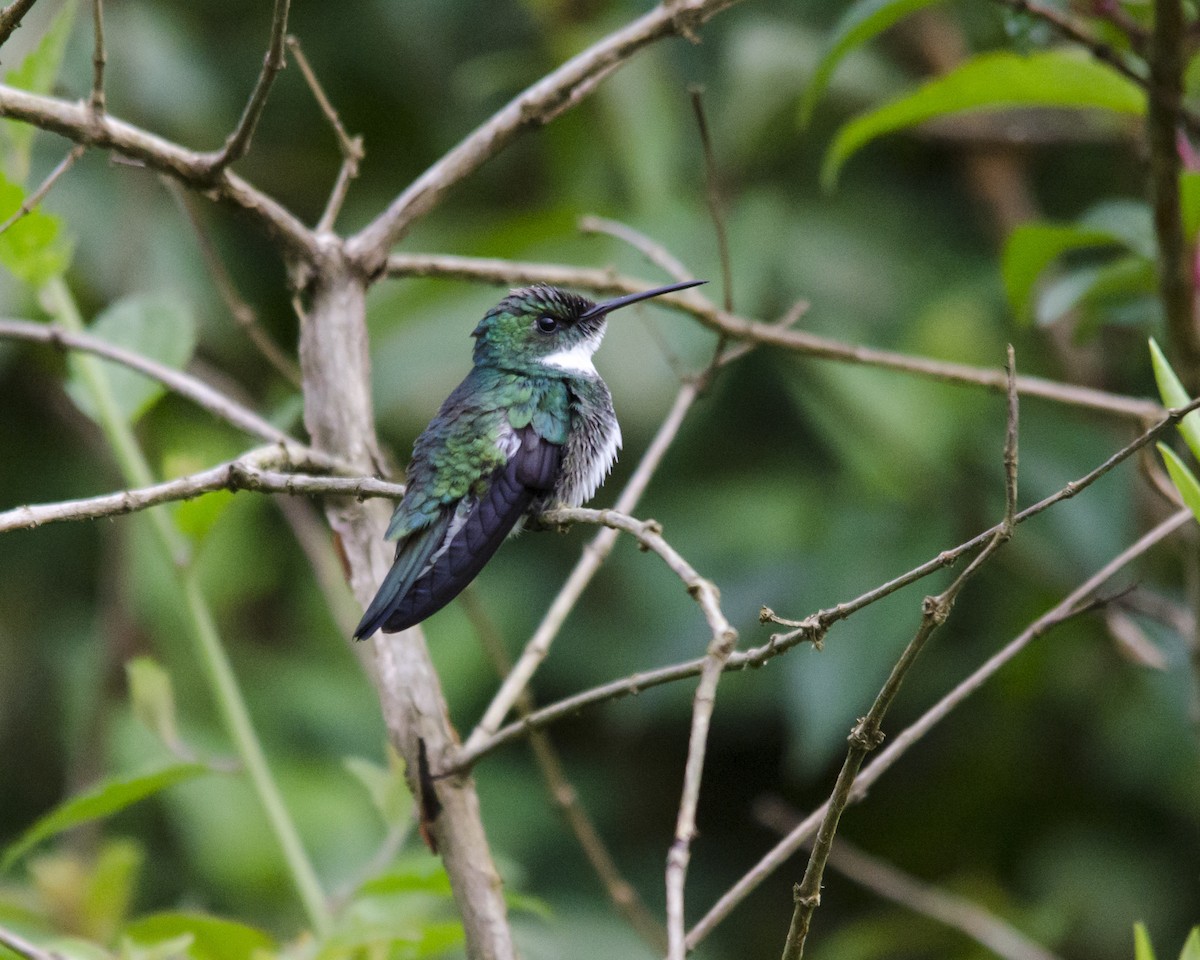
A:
[742,328]
[564,796]
[546,99]
[11,16]
[248,472]
[810,630]
[243,314]
[238,142]
[867,734]
[22,947]
[351,147]
[76,122]
[30,203]
[185,385]
[1162,132]
[878,876]
[99,59]
[1070,606]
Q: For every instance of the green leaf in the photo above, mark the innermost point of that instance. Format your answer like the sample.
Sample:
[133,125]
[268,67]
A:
[410,939]
[1031,248]
[859,23]
[153,699]
[1174,396]
[421,876]
[1189,203]
[161,950]
[34,248]
[1183,478]
[1097,291]
[157,327]
[36,74]
[992,81]
[110,888]
[106,798]
[211,938]
[1191,946]
[1129,222]
[1142,949]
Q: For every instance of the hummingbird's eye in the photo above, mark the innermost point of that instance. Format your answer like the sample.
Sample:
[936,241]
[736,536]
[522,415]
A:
[547,324]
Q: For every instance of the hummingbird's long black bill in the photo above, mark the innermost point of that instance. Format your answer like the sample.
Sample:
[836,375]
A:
[610,305]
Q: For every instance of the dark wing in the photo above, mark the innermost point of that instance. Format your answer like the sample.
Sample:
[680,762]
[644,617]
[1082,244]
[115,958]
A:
[412,557]
[471,536]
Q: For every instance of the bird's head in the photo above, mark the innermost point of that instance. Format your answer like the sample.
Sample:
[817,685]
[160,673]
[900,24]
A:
[547,327]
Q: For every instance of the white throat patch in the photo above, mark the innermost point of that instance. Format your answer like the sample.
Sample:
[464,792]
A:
[577,359]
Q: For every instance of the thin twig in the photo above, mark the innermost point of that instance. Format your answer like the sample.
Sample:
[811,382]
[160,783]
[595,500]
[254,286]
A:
[565,797]
[19,945]
[742,328]
[984,927]
[1071,605]
[867,734]
[350,147]
[653,251]
[810,630]
[177,381]
[724,638]
[249,472]
[30,203]
[99,59]
[11,16]
[538,104]
[243,314]
[238,141]
[659,256]
[75,121]
[712,194]
[1067,27]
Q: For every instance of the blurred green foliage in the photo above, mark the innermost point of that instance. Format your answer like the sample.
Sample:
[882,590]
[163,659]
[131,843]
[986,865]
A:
[1063,796]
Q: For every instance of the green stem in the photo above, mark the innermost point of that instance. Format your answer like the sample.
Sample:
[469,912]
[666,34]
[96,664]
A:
[230,702]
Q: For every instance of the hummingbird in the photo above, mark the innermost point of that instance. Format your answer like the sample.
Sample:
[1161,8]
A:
[531,427]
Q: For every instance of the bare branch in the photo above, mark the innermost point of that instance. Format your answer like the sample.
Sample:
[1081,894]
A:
[99,59]
[563,795]
[712,194]
[741,328]
[11,16]
[867,734]
[185,385]
[38,195]
[878,876]
[76,122]
[248,472]
[243,314]
[535,106]
[19,945]
[238,142]
[1162,131]
[351,147]
[653,251]
[1064,610]
[810,630]
[334,359]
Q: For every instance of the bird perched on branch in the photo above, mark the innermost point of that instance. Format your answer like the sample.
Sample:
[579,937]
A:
[531,427]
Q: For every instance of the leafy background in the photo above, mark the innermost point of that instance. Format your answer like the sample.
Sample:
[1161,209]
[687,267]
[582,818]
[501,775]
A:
[1063,796]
